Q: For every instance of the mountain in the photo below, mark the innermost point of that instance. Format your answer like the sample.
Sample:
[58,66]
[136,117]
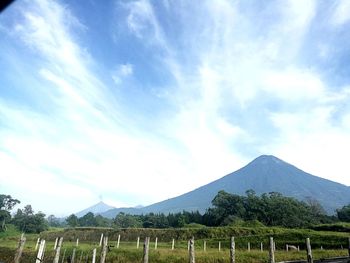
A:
[264,174]
[98,208]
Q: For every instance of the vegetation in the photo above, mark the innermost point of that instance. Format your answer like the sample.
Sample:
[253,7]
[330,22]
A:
[272,209]
[29,222]
[6,205]
[240,212]
[344,213]
[127,252]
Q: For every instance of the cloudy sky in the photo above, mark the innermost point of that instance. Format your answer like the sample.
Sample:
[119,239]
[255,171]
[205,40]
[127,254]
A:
[135,102]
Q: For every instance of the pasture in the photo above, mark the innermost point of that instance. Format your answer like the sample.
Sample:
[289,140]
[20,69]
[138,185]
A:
[251,245]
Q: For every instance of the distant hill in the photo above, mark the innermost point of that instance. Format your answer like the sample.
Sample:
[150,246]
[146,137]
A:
[98,208]
[264,174]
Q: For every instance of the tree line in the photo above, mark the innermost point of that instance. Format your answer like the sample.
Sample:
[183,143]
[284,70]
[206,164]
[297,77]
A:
[269,209]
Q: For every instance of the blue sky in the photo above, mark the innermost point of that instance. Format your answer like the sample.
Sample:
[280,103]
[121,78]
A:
[140,101]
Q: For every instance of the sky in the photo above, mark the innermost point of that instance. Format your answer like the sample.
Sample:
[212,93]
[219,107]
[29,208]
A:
[135,102]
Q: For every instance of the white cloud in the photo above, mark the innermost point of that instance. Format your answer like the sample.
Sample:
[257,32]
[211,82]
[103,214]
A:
[341,14]
[121,72]
[88,144]
[294,84]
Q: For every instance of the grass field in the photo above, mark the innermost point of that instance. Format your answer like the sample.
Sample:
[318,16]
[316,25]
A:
[127,251]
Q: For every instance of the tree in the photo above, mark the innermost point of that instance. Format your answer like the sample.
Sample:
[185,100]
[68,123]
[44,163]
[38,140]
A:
[344,213]
[6,205]
[102,221]
[72,220]
[87,220]
[27,221]
[53,221]
[272,209]
[123,220]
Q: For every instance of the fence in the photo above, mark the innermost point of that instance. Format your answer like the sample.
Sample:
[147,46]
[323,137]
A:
[104,246]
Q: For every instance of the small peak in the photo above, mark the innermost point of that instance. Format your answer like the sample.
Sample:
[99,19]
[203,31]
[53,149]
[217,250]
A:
[264,159]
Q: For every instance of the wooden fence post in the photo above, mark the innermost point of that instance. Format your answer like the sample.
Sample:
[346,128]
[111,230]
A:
[261,246]
[19,249]
[219,245]
[232,250]
[156,243]
[55,246]
[94,256]
[41,250]
[58,250]
[101,239]
[77,243]
[81,256]
[145,250]
[118,242]
[309,251]
[104,250]
[248,246]
[205,245]
[64,254]
[191,252]
[173,244]
[271,251]
[138,243]
[37,244]
[73,255]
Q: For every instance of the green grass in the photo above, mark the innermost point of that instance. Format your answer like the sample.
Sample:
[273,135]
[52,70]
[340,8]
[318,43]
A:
[127,252]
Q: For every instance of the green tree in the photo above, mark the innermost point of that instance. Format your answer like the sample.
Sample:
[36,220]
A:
[27,221]
[53,221]
[87,220]
[123,220]
[72,220]
[344,213]
[102,221]
[6,205]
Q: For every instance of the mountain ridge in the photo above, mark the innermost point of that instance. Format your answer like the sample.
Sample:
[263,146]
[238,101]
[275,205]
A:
[264,174]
